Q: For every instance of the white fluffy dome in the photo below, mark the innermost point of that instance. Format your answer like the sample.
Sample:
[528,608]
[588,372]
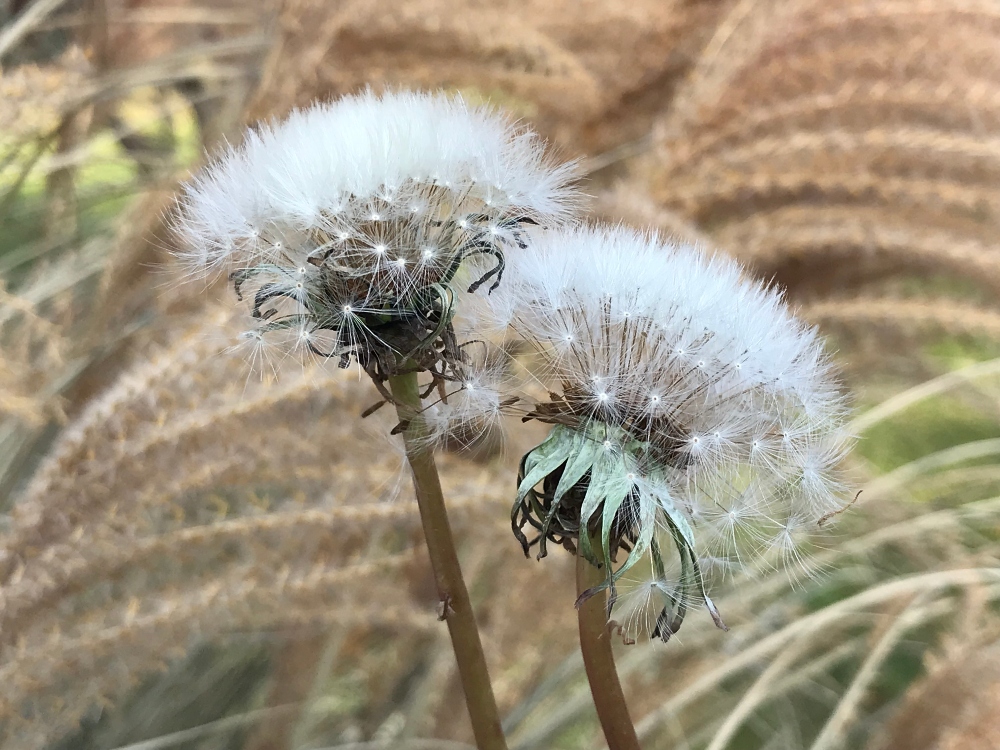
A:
[326,163]
[690,403]
[346,225]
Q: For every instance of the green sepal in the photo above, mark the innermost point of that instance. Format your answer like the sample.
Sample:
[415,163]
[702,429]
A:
[608,477]
[583,453]
[646,529]
[580,460]
[545,458]
[691,574]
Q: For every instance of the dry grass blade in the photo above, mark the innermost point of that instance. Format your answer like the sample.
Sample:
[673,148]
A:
[29,19]
[833,733]
[912,396]
[809,624]
[918,530]
[760,691]
[221,725]
[954,318]
[198,62]
[414,744]
[906,473]
[179,15]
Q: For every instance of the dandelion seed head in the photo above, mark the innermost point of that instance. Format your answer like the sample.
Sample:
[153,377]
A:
[723,399]
[344,190]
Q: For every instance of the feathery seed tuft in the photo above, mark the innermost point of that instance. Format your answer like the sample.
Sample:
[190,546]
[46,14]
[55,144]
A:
[346,226]
[690,410]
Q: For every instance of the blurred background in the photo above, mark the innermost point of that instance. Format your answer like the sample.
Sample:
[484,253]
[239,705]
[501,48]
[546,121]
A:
[194,558]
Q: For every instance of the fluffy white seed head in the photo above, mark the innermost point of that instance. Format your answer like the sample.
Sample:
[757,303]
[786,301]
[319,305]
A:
[366,159]
[723,402]
[364,204]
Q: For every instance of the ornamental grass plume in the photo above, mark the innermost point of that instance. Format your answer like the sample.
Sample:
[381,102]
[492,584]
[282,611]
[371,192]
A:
[347,227]
[848,151]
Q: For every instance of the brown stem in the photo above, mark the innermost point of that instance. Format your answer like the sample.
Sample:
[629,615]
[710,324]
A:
[456,608]
[599,661]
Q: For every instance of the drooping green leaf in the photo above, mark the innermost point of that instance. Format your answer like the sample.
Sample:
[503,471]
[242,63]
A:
[647,527]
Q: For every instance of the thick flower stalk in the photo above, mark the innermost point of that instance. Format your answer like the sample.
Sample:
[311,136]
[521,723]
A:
[696,422]
[347,228]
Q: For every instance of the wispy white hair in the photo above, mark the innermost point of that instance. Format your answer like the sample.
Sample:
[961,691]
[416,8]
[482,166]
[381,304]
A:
[719,408]
[352,216]
[323,162]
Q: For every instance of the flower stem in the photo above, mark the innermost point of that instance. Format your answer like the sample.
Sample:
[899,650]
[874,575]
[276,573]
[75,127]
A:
[599,661]
[456,608]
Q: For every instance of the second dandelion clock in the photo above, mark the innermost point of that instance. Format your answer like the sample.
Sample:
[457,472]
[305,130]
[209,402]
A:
[696,425]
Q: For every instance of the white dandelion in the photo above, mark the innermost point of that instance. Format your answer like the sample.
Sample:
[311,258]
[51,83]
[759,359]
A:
[693,413]
[349,230]
[348,222]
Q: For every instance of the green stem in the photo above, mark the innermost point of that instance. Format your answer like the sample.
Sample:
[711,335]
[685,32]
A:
[599,661]
[455,604]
